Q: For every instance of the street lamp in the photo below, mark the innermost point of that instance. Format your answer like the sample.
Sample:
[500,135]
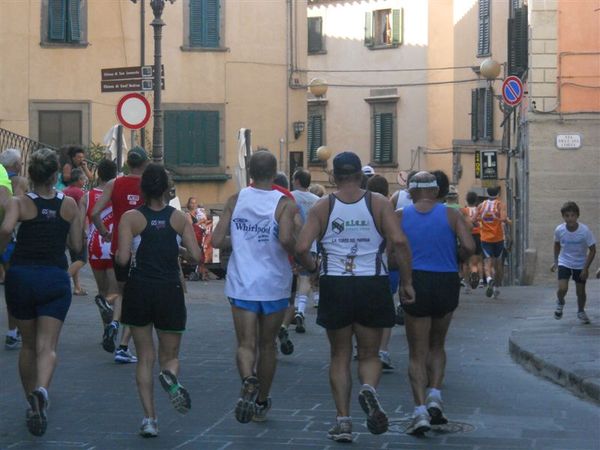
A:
[317,87]
[157,132]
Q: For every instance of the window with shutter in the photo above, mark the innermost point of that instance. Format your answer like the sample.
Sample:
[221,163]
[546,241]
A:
[383,134]
[315,35]
[204,23]
[369,41]
[383,28]
[518,42]
[57,23]
[482,114]
[397,26]
[64,21]
[314,136]
[483,41]
[192,138]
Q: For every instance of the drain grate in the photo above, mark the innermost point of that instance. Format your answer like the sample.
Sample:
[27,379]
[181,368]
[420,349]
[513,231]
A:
[400,426]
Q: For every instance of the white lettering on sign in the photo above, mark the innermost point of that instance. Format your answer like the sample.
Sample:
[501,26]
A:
[568,141]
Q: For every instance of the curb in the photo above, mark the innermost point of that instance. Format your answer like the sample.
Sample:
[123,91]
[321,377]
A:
[587,388]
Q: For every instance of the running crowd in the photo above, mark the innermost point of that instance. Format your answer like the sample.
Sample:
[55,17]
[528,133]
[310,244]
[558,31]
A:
[352,249]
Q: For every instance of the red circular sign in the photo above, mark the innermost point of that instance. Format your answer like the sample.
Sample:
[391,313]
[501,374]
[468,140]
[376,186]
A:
[133,111]
[512,90]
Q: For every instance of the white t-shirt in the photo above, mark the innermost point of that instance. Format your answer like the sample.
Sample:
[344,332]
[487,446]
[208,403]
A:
[573,245]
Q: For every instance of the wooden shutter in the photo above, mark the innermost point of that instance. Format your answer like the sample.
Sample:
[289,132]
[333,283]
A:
[314,134]
[210,23]
[483,42]
[383,137]
[517,42]
[192,138]
[57,20]
[195,23]
[397,23]
[474,114]
[315,34]
[74,21]
[209,151]
[488,118]
[369,39]
[170,138]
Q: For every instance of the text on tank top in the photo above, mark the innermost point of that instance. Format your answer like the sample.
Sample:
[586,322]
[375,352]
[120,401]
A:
[42,240]
[490,224]
[351,244]
[97,247]
[126,195]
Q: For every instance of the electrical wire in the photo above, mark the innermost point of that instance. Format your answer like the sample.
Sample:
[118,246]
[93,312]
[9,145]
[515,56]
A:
[425,83]
[385,70]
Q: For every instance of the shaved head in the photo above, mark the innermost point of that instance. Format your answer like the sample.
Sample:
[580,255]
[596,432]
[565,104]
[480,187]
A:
[263,166]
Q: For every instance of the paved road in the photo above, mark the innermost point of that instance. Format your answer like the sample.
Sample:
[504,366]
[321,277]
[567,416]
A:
[492,401]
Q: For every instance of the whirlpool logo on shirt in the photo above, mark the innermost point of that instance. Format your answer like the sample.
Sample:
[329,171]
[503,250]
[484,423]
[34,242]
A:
[49,214]
[259,231]
[338,225]
[158,224]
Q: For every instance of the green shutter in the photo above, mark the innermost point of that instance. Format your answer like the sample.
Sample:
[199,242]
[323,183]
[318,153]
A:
[488,119]
[483,41]
[474,114]
[315,34]
[314,136]
[397,25]
[210,23]
[195,23]
[369,39]
[170,138]
[57,18]
[74,21]
[210,140]
[383,139]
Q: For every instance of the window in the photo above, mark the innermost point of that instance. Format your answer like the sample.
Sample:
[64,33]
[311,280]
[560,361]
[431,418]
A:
[518,42]
[483,40]
[383,138]
[58,128]
[204,23]
[192,138]
[482,114]
[315,35]
[64,22]
[315,131]
[383,28]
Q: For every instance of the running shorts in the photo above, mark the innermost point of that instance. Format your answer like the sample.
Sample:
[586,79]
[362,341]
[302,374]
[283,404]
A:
[477,239]
[363,300]
[156,302]
[436,294]
[492,249]
[564,273]
[35,291]
[263,308]
[121,272]
[101,264]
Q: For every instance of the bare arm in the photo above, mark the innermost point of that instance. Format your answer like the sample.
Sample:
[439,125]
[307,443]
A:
[220,235]
[11,217]
[126,234]
[183,226]
[588,262]
[83,212]
[463,233]
[286,213]
[312,229]
[554,265]
[66,173]
[70,212]
[101,203]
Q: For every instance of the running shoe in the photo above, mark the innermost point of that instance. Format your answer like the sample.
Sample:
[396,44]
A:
[490,288]
[109,337]
[496,292]
[246,404]
[106,311]
[12,343]
[149,428]
[399,315]
[473,280]
[260,411]
[583,317]
[419,425]
[124,357]
[377,420]
[180,397]
[300,328]
[558,312]
[481,284]
[386,361]
[462,282]
[37,421]
[436,411]
[341,431]
[285,345]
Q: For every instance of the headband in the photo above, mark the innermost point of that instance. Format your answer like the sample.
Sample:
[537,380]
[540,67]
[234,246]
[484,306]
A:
[422,184]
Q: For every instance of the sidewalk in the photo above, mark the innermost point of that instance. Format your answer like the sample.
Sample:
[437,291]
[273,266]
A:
[563,351]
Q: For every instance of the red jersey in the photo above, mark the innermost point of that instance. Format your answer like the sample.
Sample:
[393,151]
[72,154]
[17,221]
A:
[126,195]
[97,247]
[74,192]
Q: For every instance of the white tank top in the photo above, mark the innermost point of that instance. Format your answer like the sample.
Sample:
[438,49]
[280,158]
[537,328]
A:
[259,269]
[352,245]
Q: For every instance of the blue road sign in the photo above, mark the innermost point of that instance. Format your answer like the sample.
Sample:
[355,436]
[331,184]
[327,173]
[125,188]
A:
[512,90]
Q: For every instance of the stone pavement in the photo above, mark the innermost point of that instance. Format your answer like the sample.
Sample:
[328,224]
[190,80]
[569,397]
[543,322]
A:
[491,401]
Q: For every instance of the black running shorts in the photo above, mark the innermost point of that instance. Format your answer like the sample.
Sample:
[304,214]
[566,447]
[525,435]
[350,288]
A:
[121,272]
[436,294]
[363,300]
[160,303]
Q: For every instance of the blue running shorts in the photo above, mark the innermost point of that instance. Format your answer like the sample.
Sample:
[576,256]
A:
[261,307]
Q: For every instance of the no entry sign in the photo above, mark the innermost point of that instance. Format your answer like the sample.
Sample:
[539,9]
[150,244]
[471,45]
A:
[133,111]
[512,91]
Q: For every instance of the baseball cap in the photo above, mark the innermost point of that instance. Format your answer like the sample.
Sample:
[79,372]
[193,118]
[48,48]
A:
[346,163]
[137,154]
[368,171]
[452,192]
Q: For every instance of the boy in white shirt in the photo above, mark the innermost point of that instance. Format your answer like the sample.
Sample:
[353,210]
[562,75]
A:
[574,251]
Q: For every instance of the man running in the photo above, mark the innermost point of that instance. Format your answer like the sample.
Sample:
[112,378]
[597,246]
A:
[260,223]
[123,193]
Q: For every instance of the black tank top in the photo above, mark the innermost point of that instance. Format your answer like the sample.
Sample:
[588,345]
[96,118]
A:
[42,240]
[157,257]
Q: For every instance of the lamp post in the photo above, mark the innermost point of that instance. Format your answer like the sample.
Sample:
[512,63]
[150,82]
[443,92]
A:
[157,132]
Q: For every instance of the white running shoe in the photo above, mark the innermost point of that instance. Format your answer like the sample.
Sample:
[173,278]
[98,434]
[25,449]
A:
[149,428]
[583,317]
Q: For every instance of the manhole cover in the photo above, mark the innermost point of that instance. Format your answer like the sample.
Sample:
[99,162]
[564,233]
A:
[400,426]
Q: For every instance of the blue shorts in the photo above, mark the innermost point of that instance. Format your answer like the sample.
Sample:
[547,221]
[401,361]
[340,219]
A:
[10,248]
[34,291]
[394,276]
[564,273]
[492,249]
[261,307]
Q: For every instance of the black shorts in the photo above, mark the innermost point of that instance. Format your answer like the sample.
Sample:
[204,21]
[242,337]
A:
[363,300]
[160,303]
[436,294]
[564,273]
[477,239]
[121,272]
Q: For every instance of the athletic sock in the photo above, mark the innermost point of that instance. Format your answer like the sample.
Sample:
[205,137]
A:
[367,387]
[343,418]
[489,279]
[420,409]
[13,333]
[301,303]
[43,391]
[436,393]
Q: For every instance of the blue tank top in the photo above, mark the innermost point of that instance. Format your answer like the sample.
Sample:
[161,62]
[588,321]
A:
[157,257]
[432,240]
[42,240]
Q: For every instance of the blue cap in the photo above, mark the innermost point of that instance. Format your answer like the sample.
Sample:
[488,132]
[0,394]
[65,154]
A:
[346,163]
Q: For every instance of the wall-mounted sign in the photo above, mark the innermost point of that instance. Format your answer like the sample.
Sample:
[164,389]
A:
[477,165]
[489,165]
[568,141]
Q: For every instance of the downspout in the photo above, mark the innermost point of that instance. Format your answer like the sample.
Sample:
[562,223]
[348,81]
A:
[289,56]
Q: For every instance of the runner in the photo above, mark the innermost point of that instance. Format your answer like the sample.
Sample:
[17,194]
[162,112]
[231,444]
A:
[98,249]
[124,194]
[260,223]
[351,226]
[473,269]
[37,288]
[432,230]
[153,294]
[78,260]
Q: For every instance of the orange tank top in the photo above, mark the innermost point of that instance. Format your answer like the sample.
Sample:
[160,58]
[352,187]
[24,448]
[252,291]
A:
[490,223]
